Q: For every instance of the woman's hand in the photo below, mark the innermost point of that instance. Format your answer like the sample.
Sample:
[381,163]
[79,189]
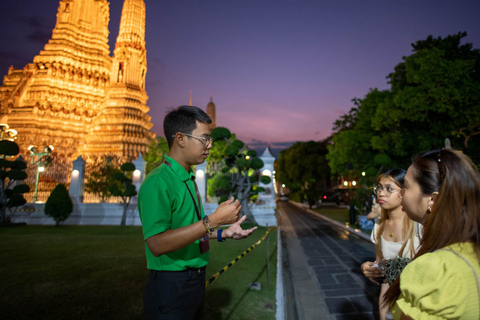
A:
[375,213]
[372,272]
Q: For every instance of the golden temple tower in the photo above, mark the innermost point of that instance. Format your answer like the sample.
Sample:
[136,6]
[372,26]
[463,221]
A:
[212,113]
[123,127]
[71,96]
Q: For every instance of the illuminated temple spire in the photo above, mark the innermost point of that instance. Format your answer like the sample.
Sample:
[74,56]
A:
[76,97]
[80,35]
[54,99]
[212,113]
[124,125]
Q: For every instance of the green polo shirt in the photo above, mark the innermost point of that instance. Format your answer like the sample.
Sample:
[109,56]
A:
[164,203]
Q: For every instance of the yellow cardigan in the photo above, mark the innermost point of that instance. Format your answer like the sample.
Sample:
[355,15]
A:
[440,285]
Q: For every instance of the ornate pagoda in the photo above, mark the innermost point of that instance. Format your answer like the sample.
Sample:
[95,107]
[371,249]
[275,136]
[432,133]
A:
[74,95]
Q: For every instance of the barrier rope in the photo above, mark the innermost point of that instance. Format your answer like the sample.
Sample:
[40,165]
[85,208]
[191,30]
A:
[216,275]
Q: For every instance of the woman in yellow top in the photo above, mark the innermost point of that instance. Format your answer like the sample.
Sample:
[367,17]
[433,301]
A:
[442,192]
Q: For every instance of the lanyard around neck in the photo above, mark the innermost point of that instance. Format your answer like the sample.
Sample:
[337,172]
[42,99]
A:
[197,211]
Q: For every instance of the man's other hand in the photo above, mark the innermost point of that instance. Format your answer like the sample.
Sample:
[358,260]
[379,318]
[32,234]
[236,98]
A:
[236,232]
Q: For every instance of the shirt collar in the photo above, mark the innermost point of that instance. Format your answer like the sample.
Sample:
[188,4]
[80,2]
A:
[180,171]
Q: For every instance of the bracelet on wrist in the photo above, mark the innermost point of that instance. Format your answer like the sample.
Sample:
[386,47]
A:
[219,235]
[206,222]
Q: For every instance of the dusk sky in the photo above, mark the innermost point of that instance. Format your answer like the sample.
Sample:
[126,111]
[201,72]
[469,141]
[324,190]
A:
[278,70]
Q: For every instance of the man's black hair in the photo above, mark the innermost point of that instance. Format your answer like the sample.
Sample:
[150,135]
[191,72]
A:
[183,119]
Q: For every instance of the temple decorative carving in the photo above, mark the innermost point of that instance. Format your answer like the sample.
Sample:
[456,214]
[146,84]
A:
[74,95]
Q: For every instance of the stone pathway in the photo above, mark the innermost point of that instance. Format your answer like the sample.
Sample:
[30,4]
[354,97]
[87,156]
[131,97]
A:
[323,261]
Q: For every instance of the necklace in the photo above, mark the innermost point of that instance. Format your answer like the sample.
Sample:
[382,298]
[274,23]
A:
[391,233]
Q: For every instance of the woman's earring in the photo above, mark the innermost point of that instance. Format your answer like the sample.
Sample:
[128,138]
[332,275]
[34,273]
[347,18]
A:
[430,204]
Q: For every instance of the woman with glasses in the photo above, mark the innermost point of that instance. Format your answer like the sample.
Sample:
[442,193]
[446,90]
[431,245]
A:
[442,192]
[393,234]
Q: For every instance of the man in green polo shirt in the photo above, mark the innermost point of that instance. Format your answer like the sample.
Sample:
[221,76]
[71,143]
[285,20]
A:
[175,228]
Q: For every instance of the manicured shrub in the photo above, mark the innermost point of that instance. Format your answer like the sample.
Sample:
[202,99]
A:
[59,206]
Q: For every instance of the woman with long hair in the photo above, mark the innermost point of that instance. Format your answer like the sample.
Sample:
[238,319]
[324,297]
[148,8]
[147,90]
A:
[442,192]
[394,233]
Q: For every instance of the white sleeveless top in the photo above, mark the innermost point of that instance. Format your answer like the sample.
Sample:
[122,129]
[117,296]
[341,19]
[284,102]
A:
[391,249]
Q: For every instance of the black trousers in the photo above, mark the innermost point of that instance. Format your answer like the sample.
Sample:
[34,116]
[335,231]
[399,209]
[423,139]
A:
[174,295]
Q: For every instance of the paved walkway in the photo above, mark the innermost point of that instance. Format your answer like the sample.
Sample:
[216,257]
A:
[322,277]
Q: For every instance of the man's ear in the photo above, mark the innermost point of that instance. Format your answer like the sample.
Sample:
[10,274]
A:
[179,140]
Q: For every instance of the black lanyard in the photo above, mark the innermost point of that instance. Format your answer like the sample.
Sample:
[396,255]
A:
[190,192]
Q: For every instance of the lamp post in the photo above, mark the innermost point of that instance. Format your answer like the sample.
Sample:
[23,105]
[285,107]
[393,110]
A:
[351,184]
[6,133]
[47,150]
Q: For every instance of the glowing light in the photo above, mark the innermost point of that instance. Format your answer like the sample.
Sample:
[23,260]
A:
[247,157]
[345,183]
[41,169]
[363,173]
[199,174]
[75,173]
[283,185]
[354,183]
[266,172]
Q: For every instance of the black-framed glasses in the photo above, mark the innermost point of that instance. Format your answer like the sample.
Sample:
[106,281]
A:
[387,190]
[204,140]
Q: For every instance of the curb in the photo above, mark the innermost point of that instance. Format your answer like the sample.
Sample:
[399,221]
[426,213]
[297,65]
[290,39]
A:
[355,232]
[279,293]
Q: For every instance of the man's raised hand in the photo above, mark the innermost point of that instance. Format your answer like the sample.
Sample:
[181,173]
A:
[226,213]
[236,232]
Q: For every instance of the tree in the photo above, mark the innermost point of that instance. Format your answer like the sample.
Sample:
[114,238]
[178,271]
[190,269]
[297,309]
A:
[59,205]
[156,153]
[354,133]
[11,173]
[215,160]
[243,165]
[434,94]
[304,169]
[126,190]
[100,175]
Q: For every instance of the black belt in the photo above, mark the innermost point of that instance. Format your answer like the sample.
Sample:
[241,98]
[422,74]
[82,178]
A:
[197,270]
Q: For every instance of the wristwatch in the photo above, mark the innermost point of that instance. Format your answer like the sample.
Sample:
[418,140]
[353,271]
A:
[219,235]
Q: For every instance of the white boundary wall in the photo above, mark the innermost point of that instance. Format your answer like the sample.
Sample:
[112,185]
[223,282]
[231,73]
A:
[111,214]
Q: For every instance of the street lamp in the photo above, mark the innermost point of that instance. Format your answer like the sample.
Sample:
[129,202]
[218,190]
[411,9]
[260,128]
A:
[34,152]
[351,184]
[6,133]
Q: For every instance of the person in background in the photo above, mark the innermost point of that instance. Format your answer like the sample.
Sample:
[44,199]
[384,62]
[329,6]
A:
[442,192]
[175,228]
[393,234]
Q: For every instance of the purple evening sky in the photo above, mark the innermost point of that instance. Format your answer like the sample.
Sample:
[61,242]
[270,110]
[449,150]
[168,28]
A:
[278,70]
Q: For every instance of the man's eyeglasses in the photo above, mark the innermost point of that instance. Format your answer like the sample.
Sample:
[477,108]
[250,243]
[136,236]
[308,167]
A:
[204,140]
[387,190]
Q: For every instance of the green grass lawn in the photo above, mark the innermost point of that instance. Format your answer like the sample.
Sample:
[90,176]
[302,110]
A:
[98,272]
[338,214]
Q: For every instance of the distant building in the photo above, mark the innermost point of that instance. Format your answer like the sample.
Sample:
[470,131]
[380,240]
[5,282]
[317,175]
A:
[74,95]
[212,113]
